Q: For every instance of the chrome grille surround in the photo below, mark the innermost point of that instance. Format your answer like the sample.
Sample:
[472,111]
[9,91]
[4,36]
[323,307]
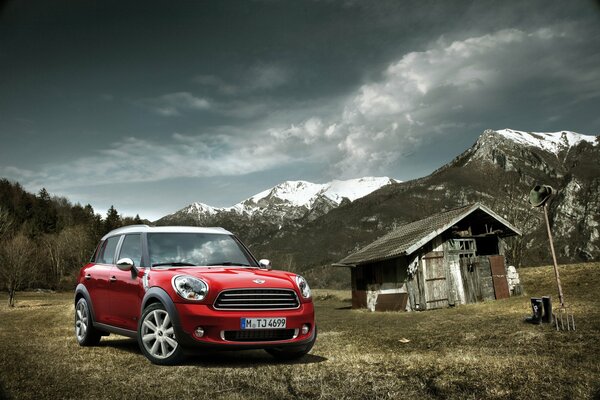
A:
[253,299]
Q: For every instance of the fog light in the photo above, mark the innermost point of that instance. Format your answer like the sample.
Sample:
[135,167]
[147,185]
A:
[305,329]
[199,332]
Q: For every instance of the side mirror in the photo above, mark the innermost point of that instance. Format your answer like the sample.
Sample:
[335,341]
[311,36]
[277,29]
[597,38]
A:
[125,264]
[265,264]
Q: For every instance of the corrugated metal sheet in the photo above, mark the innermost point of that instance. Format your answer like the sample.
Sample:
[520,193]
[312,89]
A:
[409,237]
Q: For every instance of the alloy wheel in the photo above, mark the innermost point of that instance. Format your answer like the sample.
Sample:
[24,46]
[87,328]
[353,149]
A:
[158,335]
[82,317]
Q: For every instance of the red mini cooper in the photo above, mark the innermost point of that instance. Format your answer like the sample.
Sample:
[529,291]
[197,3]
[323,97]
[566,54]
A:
[179,289]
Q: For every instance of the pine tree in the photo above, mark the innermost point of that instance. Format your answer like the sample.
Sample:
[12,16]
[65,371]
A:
[113,220]
[45,216]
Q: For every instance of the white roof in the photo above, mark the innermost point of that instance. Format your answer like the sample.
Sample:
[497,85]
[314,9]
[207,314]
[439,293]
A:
[165,229]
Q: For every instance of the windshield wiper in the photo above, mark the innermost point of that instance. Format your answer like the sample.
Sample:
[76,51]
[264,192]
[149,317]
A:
[229,263]
[175,264]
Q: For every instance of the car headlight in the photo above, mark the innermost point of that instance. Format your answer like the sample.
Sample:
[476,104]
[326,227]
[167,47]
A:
[190,288]
[303,286]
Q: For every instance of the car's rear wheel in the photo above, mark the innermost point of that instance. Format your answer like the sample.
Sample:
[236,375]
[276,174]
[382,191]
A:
[156,336]
[85,332]
[292,353]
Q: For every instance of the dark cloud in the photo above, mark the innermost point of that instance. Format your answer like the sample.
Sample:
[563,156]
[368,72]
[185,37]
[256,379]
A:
[110,93]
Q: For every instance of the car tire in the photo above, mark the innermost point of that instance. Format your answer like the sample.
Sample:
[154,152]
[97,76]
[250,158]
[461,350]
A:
[292,353]
[156,336]
[85,333]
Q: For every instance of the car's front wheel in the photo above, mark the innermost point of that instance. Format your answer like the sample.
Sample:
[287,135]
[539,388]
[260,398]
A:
[85,332]
[156,336]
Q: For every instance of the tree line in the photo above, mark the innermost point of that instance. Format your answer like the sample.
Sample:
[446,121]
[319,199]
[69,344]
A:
[44,239]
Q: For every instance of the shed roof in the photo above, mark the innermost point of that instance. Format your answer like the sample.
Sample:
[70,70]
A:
[408,238]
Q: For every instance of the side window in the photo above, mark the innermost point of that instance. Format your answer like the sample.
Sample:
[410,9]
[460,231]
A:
[107,252]
[131,248]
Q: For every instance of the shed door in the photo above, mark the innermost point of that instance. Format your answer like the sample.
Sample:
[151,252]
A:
[469,270]
[499,277]
[436,287]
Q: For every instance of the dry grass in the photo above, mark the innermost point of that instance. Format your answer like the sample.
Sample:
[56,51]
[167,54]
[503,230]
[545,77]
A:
[475,351]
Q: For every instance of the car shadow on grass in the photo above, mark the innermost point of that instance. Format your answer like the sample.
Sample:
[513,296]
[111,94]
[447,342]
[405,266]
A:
[128,345]
[218,359]
[244,359]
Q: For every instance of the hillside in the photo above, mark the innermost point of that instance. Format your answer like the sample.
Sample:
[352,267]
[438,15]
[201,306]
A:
[498,170]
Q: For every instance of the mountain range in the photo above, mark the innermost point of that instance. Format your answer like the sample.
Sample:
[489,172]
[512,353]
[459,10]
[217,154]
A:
[282,204]
[305,227]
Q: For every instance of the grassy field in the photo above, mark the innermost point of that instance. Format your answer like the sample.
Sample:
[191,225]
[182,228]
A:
[469,352]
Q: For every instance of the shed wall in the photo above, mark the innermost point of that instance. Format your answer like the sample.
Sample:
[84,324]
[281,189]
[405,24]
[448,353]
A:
[444,272]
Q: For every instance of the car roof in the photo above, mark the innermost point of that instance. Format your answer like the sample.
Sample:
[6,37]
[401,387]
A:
[165,229]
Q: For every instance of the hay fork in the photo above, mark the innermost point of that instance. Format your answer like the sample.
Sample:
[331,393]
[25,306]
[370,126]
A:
[563,312]
[538,197]
[561,316]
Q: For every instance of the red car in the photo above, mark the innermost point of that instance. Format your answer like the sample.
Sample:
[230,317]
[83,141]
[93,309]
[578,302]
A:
[180,289]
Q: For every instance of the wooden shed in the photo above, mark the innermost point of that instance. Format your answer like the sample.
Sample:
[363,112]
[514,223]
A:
[454,257]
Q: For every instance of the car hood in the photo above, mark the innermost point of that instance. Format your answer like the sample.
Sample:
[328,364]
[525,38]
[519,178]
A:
[233,277]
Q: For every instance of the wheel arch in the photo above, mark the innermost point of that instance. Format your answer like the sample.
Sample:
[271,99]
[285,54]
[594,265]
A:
[158,295]
[82,292]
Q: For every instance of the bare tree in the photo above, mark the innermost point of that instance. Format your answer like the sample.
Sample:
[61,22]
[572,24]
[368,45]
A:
[512,202]
[66,251]
[16,267]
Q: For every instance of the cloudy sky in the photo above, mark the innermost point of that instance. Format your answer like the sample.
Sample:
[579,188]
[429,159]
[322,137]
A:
[153,105]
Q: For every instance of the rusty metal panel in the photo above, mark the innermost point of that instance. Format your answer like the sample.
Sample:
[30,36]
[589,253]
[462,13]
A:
[391,302]
[359,299]
[499,277]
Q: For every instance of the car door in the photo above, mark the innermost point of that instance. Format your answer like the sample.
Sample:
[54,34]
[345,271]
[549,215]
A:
[125,286]
[96,279]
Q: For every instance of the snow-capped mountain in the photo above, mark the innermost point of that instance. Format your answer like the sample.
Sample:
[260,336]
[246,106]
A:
[499,170]
[515,150]
[290,200]
[553,142]
[303,194]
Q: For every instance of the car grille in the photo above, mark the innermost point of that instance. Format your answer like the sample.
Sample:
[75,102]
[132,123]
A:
[259,335]
[257,299]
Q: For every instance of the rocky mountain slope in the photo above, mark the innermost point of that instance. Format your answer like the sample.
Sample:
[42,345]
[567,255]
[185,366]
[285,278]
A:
[498,170]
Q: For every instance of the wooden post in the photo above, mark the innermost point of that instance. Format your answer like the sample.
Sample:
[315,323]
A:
[560,292]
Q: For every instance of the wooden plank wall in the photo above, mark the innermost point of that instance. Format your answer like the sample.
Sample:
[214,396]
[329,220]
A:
[485,278]
[436,284]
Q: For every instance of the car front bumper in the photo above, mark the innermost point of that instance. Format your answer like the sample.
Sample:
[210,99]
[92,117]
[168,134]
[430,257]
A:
[215,324]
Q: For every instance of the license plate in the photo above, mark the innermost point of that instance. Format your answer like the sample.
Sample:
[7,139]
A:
[263,323]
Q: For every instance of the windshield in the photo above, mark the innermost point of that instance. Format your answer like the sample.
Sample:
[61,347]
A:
[188,249]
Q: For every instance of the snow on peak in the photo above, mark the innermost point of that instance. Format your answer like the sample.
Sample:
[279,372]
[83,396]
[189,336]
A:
[304,194]
[354,189]
[200,208]
[290,196]
[548,141]
[296,193]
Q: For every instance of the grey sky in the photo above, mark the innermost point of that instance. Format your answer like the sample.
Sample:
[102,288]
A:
[150,107]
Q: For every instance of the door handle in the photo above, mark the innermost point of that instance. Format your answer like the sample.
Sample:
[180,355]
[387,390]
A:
[88,276]
[112,279]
